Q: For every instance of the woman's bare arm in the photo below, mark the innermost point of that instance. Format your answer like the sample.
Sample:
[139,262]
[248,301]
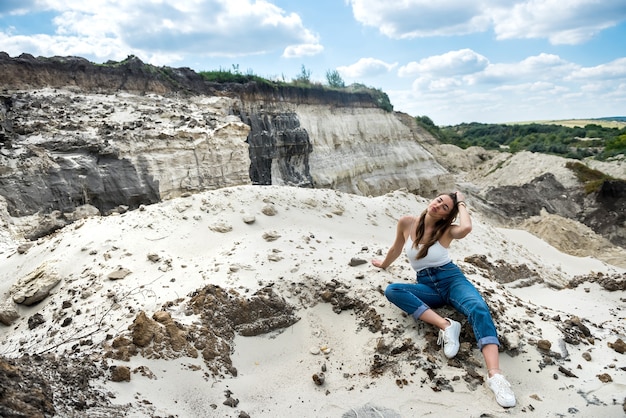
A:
[403,230]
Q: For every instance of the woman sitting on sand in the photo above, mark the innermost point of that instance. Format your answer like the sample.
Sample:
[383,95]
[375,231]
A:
[426,239]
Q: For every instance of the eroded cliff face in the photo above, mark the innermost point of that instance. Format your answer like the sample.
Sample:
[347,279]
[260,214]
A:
[64,149]
[71,135]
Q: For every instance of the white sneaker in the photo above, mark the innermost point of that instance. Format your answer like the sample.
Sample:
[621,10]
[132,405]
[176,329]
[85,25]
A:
[450,338]
[502,389]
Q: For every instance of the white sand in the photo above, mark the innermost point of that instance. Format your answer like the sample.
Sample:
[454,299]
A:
[319,232]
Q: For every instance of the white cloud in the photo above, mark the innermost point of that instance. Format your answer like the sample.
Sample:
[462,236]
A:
[295,51]
[174,29]
[571,22]
[444,85]
[562,22]
[539,67]
[365,67]
[419,18]
[17,7]
[46,45]
[609,71]
[533,88]
[464,61]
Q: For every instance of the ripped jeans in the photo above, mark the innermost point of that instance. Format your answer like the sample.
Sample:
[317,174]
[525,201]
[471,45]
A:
[445,285]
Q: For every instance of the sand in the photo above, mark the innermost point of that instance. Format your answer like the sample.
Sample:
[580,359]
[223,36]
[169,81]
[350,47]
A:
[297,241]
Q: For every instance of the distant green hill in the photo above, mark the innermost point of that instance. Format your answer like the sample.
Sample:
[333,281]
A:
[606,122]
[600,138]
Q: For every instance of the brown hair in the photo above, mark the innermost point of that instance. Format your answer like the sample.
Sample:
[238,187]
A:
[440,227]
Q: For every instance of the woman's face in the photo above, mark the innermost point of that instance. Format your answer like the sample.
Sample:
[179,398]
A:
[441,206]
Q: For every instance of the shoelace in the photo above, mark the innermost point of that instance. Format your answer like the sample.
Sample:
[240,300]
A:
[442,338]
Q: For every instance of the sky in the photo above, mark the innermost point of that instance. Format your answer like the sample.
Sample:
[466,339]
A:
[455,61]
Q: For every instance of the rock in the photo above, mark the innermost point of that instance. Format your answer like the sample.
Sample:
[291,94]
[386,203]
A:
[221,227]
[582,327]
[544,345]
[35,320]
[118,274]
[319,378]
[356,262]
[143,330]
[120,374]
[154,257]
[35,286]
[81,212]
[230,401]
[8,313]
[618,346]
[271,236]
[23,248]
[567,372]
[269,210]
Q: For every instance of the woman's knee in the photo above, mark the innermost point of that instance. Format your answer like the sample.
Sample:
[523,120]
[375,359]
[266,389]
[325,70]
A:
[391,290]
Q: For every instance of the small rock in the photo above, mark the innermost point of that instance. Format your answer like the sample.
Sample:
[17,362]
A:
[8,314]
[232,402]
[154,257]
[118,274]
[544,345]
[319,378]
[582,327]
[356,262]
[566,372]
[24,247]
[120,374]
[271,236]
[618,346]
[35,320]
[269,210]
[222,227]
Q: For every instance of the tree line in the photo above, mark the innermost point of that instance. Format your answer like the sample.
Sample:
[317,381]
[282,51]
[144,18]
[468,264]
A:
[334,81]
[592,140]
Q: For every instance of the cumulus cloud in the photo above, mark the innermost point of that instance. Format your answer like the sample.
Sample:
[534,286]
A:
[150,27]
[419,18]
[295,51]
[570,22]
[539,67]
[464,61]
[540,85]
[365,67]
[613,70]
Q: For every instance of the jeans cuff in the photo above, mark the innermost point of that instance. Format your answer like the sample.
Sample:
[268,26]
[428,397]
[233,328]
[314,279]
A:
[419,311]
[488,340]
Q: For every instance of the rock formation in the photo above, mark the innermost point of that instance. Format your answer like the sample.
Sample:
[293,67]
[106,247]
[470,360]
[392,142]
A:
[73,133]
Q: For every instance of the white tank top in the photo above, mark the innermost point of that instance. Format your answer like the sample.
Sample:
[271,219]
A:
[437,255]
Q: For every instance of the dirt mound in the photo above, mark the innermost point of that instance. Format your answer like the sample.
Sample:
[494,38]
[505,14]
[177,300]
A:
[572,237]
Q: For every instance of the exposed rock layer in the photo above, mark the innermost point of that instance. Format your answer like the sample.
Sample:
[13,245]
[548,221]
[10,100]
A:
[73,133]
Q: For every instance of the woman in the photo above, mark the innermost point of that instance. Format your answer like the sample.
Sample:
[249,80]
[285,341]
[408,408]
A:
[426,239]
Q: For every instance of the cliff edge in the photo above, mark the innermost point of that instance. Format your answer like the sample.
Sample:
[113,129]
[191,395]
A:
[116,136]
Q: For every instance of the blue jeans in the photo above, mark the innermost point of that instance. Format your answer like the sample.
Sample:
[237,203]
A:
[445,285]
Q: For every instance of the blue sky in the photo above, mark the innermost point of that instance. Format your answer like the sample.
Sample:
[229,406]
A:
[455,61]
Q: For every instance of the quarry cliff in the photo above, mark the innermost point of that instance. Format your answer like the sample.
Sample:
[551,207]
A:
[73,133]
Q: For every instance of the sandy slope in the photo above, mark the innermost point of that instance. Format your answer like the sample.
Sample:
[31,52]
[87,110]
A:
[301,241]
